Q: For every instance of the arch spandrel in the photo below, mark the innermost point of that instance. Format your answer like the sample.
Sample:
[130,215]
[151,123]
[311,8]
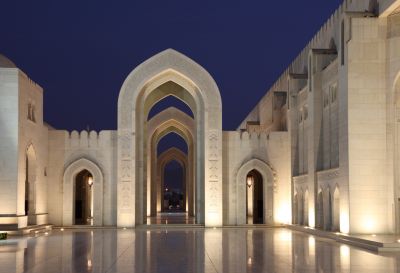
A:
[168,65]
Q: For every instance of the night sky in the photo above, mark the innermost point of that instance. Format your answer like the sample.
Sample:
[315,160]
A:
[80,52]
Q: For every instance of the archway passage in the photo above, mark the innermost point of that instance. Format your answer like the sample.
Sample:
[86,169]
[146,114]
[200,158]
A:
[83,198]
[168,73]
[30,185]
[255,198]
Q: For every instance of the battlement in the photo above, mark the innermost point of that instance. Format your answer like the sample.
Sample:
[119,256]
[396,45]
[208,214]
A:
[87,140]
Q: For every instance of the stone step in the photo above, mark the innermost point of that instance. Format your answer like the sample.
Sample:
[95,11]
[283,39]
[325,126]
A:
[35,229]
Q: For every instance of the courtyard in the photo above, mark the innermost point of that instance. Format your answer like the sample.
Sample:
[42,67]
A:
[181,249]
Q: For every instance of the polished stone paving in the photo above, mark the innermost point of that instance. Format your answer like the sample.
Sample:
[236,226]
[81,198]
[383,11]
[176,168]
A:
[187,250]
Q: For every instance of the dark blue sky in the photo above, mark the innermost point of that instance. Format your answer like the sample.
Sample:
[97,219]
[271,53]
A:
[81,51]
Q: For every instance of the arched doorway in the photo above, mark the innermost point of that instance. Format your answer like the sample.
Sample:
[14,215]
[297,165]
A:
[30,185]
[306,208]
[320,209]
[140,91]
[336,210]
[77,177]
[254,198]
[264,175]
[83,198]
[295,208]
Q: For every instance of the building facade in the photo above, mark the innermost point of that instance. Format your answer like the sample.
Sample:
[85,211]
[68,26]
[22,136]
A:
[320,149]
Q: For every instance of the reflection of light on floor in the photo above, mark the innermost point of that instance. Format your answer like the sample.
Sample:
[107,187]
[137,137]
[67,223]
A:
[344,256]
[311,246]
[89,264]
[285,236]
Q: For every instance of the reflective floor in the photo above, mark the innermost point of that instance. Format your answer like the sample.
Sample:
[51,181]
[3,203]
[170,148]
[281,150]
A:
[186,250]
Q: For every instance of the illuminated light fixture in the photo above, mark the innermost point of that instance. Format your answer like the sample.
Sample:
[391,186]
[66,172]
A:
[124,228]
[46,233]
[166,189]
[250,181]
[337,233]
[62,229]
[398,240]
[373,235]
[249,261]
[214,227]
[90,181]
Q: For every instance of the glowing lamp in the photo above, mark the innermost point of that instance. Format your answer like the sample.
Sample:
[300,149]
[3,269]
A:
[90,181]
[250,181]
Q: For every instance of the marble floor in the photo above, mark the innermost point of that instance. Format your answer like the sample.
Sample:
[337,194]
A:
[186,250]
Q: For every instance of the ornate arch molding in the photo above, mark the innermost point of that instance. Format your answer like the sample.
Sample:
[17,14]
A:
[168,66]
[269,178]
[70,174]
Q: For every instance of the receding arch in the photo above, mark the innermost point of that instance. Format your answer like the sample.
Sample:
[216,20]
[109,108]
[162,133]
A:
[136,97]
[175,126]
[268,178]
[176,154]
[166,103]
[70,173]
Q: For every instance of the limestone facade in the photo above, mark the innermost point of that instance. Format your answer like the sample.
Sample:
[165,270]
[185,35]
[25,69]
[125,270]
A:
[324,140]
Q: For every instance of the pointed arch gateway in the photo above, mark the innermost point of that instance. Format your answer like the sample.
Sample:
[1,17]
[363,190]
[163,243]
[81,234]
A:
[138,94]
[268,178]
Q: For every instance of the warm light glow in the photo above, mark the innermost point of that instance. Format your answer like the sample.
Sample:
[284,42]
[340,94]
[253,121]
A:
[345,256]
[213,220]
[311,241]
[62,229]
[368,225]
[249,261]
[124,228]
[285,236]
[344,222]
[90,181]
[373,235]
[284,214]
[311,217]
[89,264]
[250,181]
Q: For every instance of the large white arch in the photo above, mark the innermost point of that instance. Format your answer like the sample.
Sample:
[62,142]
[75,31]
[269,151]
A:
[136,97]
[268,187]
[69,191]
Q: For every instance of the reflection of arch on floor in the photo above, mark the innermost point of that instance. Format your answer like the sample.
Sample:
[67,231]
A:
[153,80]
[30,184]
[69,179]
[267,175]
[163,159]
